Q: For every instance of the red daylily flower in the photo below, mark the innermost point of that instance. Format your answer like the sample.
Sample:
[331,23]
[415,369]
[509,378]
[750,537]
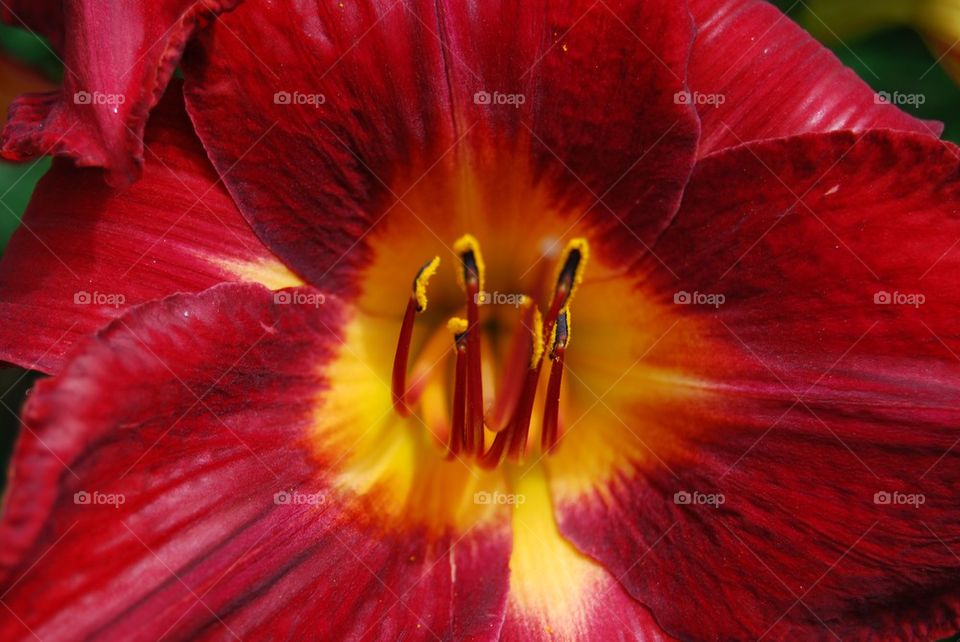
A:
[734,419]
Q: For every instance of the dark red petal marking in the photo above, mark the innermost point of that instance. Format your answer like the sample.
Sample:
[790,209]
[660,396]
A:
[78,262]
[116,70]
[314,187]
[827,401]
[201,547]
[755,74]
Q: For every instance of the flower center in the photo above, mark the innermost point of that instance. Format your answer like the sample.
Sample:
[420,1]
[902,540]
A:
[536,337]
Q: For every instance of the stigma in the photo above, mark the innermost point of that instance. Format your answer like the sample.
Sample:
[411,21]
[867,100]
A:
[537,339]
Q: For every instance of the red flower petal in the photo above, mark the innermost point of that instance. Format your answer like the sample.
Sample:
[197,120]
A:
[197,411]
[775,80]
[116,68]
[823,418]
[324,139]
[80,260]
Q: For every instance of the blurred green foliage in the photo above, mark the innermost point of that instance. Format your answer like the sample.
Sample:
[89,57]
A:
[18,180]
[31,50]
[898,60]
[16,186]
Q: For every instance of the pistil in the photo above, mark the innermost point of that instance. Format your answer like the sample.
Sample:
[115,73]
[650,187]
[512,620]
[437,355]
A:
[513,438]
[471,281]
[518,357]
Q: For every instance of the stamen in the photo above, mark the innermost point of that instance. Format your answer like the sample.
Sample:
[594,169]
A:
[427,367]
[468,249]
[471,279]
[495,454]
[569,276]
[513,405]
[536,331]
[561,333]
[551,410]
[420,282]
[458,424]
[520,429]
[416,304]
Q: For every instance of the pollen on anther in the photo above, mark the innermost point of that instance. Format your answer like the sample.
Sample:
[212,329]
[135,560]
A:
[537,331]
[468,249]
[571,268]
[560,338]
[457,326]
[420,282]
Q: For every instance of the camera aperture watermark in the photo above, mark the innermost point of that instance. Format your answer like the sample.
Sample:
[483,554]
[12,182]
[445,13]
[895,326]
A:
[899,99]
[98,98]
[299,98]
[114,299]
[295,498]
[896,498]
[914,299]
[498,499]
[696,498]
[698,98]
[315,299]
[699,298]
[499,98]
[499,298]
[96,498]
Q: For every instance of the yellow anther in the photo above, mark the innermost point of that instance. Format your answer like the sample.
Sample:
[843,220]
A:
[468,249]
[537,331]
[457,326]
[560,335]
[420,282]
[570,270]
